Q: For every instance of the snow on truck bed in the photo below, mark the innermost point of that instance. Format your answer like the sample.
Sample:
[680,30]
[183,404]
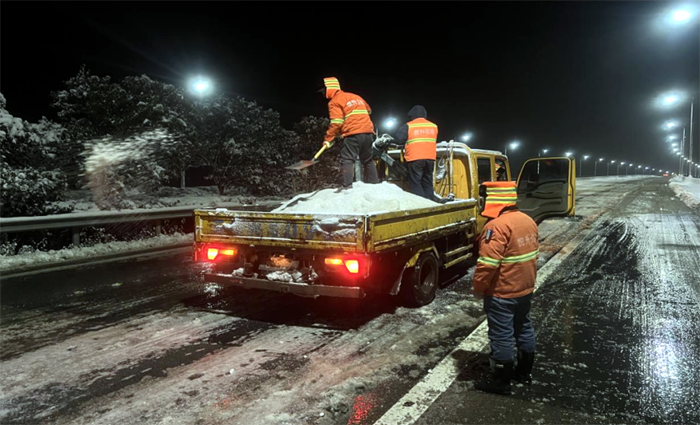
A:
[360,199]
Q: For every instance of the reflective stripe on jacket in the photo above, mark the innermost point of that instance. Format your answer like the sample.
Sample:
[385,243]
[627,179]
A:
[422,140]
[508,250]
[349,114]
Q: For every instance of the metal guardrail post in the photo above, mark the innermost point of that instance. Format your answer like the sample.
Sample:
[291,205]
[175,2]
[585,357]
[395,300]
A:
[76,235]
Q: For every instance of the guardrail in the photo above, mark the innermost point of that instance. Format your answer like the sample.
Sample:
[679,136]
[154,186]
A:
[76,221]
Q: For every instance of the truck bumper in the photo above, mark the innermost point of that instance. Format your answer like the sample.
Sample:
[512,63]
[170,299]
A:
[286,287]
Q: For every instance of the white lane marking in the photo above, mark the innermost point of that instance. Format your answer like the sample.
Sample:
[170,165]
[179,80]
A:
[414,403]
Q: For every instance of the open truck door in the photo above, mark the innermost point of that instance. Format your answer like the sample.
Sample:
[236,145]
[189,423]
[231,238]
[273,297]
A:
[547,187]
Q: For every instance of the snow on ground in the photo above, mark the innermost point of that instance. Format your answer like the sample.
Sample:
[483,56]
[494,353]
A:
[361,198]
[687,189]
[11,262]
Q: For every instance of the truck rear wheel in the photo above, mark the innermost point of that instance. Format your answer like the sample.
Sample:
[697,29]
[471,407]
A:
[420,282]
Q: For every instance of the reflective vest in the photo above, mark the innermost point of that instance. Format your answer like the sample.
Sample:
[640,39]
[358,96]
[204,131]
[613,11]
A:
[422,140]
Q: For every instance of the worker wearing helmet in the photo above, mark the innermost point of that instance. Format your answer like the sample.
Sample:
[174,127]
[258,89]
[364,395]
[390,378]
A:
[505,277]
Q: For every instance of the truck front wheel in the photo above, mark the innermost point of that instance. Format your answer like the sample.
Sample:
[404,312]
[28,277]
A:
[420,282]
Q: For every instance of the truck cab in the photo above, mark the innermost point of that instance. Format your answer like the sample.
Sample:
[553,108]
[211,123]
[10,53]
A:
[546,185]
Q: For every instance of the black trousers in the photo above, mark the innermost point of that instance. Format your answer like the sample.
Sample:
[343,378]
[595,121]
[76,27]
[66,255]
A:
[358,145]
[420,175]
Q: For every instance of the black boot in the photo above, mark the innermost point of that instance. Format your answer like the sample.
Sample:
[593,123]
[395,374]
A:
[499,380]
[523,370]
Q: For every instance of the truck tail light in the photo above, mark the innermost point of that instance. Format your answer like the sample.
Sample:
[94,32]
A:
[214,253]
[334,262]
[351,264]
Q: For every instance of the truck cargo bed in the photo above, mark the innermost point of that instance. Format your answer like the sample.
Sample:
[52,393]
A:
[361,233]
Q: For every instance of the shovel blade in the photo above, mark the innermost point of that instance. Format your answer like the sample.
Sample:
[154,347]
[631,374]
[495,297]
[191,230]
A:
[301,165]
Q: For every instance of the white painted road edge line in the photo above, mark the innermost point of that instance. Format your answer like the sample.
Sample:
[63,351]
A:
[414,403]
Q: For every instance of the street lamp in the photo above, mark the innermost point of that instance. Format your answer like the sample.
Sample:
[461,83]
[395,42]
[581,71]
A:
[676,98]
[568,154]
[595,166]
[607,173]
[627,169]
[512,145]
[543,151]
[672,137]
[389,123]
[580,164]
[670,125]
[466,137]
[646,168]
[201,86]
[618,167]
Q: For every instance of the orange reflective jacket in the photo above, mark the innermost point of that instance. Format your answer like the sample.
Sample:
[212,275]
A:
[349,112]
[422,140]
[508,250]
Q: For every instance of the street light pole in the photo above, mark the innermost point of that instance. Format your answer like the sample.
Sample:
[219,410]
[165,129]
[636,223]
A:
[681,167]
[690,170]
[618,169]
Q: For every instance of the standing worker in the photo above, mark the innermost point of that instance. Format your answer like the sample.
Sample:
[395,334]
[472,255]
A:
[349,114]
[505,276]
[420,138]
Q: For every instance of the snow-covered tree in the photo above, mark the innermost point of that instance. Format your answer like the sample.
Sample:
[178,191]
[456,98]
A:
[91,106]
[243,145]
[28,165]
[160,105]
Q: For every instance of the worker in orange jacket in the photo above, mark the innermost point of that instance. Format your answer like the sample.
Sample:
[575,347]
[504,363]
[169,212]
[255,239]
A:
[349,114]
[419,136]
[505,277]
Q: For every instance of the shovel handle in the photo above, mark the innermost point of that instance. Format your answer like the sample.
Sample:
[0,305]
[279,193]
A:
[320,151]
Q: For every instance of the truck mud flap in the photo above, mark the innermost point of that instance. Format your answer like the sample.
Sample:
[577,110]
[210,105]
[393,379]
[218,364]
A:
[300,289]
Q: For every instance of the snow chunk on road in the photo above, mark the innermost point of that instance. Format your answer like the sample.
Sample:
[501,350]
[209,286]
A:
[362,198]
[687,189]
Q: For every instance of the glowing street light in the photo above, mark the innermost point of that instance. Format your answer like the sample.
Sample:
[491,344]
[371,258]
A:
[672,137]
[466,137]
[674,144]
[681,16]
[618,167]
[607,173]
[390,123]
[568,154]
[669,100]
[595,166]
[580,164]
[542,151]
[512,145]
[670,124]
[201,86]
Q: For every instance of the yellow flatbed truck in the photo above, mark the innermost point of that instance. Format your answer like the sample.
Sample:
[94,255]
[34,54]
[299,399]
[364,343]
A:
[398,252]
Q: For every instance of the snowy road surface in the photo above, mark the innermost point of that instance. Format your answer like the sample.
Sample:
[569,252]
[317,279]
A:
[149,342]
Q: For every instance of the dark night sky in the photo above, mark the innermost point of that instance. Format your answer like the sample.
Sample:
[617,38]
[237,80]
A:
[577,76]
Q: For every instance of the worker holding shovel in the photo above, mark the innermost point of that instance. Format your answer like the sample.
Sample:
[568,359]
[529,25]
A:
[349,114]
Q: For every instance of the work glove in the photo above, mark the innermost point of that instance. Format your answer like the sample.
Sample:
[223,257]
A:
[382,141]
